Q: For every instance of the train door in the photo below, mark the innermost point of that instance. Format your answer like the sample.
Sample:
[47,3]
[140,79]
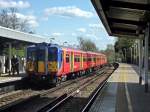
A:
[31,59]
[41,56]
[53,59]
[66,62]
[100,60]
[81,61]
[72,62]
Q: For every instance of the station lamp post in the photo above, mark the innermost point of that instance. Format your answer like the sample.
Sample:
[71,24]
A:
[10,55]
[75,46]
[140,47]
[125,55]
[147,33]
[134,53]
[51,39]
[131,55]
[137,53]
[65,43]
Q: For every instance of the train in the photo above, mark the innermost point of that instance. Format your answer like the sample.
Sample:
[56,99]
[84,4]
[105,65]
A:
[51,63]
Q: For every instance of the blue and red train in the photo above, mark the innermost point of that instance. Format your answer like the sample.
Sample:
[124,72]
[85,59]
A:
[52,63]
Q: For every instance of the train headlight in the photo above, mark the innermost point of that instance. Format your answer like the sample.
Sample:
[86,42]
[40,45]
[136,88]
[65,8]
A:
[43,77]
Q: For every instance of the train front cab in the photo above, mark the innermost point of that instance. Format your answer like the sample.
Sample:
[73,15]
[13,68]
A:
[55,58]
[31,60]
[36,62]
[43,63]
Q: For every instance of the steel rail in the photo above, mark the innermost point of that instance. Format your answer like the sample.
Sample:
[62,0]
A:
[49,91]
[50,108]
[94,95]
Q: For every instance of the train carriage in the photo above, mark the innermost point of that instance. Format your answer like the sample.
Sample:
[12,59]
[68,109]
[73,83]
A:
[72,62]
[52,63]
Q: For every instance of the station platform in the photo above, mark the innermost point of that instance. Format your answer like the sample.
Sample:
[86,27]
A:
[5,78]
[9,83]
[123,93]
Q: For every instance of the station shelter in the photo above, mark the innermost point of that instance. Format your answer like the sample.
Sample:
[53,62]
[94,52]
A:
[14,42]
[128,19]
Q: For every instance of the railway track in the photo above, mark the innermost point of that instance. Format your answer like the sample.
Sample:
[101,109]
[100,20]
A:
[94,94]
[74,101]
[46,96]
[16,97]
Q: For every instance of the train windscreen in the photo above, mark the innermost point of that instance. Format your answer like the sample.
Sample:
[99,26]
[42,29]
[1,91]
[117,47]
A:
[31,54]
[35,54]
[41,54]
[52,54]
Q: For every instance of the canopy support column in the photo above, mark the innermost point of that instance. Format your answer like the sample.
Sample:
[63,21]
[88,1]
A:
[10,55]
[146,57]
[135,53]
[140,61]
[131,55]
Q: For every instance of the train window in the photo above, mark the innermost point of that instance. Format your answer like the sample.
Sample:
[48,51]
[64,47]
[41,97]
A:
[97,59]
[31,54]
[61,56]
[84,59]
[89,59]
[41,55]
[52,55]
[67,58]
[94,59]
[76,58]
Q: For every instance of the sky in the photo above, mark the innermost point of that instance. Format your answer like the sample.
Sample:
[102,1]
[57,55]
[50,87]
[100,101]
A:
[63,20]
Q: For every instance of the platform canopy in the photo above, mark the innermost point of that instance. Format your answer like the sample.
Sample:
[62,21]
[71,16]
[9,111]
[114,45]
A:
[123,18]
[9,35]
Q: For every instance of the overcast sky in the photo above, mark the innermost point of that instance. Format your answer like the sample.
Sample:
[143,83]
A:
[64,20]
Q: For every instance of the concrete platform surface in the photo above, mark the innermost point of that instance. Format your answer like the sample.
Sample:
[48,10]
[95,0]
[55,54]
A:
[123,93]
[5,78]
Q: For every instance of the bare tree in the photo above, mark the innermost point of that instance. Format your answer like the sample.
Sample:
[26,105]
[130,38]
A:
[87,44]
[4,18]
[110,53]
[24,26]
[13,19]
[9,19]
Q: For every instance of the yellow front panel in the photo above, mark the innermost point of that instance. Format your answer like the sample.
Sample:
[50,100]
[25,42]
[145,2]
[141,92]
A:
[30,66]
[52,66]
[41,66]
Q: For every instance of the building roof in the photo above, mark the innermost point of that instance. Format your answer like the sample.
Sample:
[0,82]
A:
[9,34]
[123,18]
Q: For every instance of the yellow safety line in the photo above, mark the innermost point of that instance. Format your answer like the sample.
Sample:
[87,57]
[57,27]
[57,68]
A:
[130,108]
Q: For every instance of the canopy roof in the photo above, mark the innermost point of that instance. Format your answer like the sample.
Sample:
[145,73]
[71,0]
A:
[123,18]
[9,35]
